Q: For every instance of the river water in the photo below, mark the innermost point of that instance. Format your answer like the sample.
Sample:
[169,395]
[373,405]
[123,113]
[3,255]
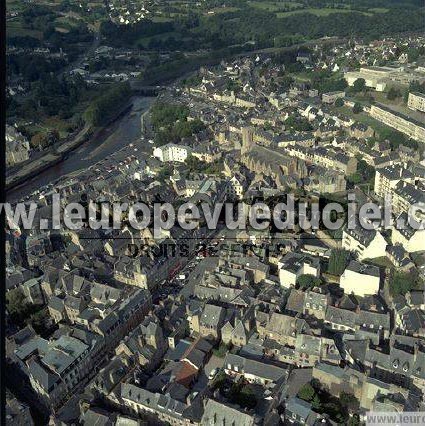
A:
[120,133]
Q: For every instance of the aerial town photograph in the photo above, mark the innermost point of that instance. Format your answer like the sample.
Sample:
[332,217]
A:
[214,213]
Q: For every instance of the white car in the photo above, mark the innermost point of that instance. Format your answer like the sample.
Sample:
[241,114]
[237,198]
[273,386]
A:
[212,374]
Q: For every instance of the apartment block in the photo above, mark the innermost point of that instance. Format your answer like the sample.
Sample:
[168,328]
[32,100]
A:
[416,101]
[172,152]
[387,178]
[409,126]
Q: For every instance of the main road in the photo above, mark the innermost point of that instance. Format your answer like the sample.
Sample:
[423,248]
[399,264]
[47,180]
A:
[120,133]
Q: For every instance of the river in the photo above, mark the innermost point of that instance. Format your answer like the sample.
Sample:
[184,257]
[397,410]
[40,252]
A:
[120,133]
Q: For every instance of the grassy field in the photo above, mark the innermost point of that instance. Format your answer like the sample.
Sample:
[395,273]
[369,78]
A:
[14,5]
[380,262]
[317,12]
[15,28]
[362,117]
[64,23]
[144,41]
[378,10]
[220,10]
[272,6]
[48,123]
[160,19]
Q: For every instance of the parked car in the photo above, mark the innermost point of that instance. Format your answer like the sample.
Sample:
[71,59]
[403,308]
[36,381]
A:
[213,373]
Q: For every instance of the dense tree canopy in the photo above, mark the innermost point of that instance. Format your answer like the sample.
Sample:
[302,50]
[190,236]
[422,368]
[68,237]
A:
[338,261]
[104,107]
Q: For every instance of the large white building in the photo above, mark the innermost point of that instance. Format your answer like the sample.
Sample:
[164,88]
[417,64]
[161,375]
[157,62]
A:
[367,244]
[172,153]
[404,124]
[416,101]
[379,77]
[387,178]
[360,279]
[17,147]
[375,77]
[293,265]
[411,239]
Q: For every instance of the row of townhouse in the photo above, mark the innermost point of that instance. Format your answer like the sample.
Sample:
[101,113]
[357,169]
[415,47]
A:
[56,367]
[325,157]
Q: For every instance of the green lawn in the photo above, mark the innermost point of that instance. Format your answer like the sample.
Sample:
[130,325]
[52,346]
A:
[15,28]
[362,117]
[160,19]
[380,261]
[164,36]
[378,10]
[318,12]
[218,10]
[48,123]
[66,22]
[272,6]
[14,5]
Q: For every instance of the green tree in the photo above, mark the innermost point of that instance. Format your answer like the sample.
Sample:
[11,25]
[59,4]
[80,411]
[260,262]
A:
[164,174]
[338,261]
[316,403]
[365,173]
[38,320]
[339,102]
[355,178]
[359,85]
[299,124]
[413,55]
[103,108]
[357,108]
[306,281]
[349,401]
[246,398]
[307,393]
[397,138]
[354,420]
[39,141]
[393,93]
[403,282]
[16,303]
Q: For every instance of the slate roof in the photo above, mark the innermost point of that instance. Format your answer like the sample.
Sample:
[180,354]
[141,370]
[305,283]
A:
[362,268]
[42,375]
[154,401]
[212,315]
[295,301]
[340,316]
[255,368]
[217,413]
[63,352]
[299,407]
